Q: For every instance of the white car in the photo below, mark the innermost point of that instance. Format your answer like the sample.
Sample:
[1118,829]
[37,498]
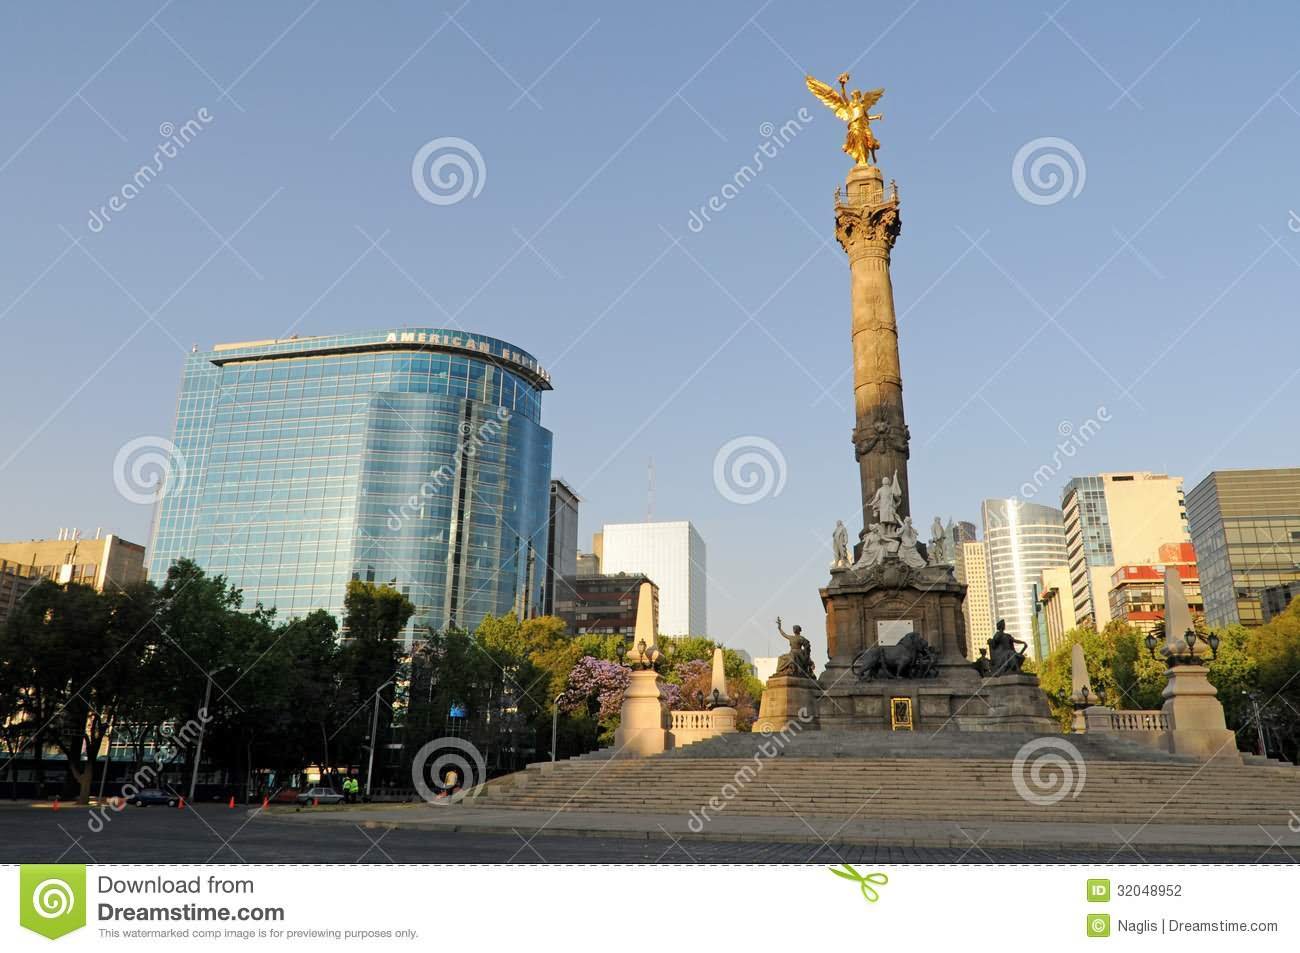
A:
[320,796]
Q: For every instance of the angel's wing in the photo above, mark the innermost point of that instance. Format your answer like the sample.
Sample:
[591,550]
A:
[832,99]
[872,96]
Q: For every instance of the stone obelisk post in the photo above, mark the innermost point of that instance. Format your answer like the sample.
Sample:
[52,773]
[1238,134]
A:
[867,224]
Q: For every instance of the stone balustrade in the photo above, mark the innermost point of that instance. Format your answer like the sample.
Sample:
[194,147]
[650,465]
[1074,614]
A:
[1146,727]
[687,727]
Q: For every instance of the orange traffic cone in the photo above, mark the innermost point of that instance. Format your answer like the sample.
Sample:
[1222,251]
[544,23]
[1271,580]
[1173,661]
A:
[181,803]
[56,802]
[266,802]
[232,800]
[315,802]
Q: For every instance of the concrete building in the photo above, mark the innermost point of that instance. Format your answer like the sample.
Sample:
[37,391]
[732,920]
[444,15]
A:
[16,580]
[1137,592]
[1275,599]
[673,555]
[104,562]
[588,564]
[1057,604]
[1113,519]
[561,546]
[972,571]
[1245,525]
[1022,539]
[607,605]
[414,457]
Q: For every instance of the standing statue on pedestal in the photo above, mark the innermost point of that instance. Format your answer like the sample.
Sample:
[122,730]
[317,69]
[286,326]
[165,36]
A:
[938,544]
[885,502]
[1004,657]
[840,546]
[873,548]
[798,661]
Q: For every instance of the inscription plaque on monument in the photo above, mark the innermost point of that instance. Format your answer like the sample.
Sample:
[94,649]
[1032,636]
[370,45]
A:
[891,631]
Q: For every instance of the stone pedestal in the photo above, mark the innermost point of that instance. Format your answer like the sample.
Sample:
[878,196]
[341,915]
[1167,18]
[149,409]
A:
[788,698]
[1195,714]
[643,725]
[861,604]
[1015,703]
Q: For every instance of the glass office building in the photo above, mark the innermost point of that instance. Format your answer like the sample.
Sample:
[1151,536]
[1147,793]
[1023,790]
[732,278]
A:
[1246,528]
[414,457]
[1023,539]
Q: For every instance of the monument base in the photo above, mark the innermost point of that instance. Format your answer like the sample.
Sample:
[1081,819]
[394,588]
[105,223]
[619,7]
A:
[1195,716]
[1015,703]
[643,728]
[786,699]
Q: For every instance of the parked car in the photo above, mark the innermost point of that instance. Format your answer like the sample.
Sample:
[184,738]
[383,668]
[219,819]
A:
[146,796]
[320,796]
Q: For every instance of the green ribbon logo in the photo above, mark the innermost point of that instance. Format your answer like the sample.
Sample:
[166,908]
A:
[52,898]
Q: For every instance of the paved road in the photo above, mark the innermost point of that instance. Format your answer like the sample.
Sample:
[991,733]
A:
[219,835]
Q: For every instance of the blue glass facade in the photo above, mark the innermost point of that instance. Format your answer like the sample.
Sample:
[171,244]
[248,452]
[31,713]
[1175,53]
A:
[414,457]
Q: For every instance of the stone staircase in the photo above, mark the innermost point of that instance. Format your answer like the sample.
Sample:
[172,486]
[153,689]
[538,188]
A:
[950,776]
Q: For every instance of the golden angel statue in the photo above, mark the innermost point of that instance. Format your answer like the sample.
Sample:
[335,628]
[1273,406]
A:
[855,109]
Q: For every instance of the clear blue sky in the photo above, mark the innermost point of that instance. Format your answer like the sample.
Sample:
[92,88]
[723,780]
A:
[1015,317]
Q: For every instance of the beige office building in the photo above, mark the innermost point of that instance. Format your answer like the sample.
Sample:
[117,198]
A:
[104,562]
[1058,605]
[1117,519]
[973,572]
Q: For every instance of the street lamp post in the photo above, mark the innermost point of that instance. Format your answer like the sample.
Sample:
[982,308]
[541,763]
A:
[1259,722]
[374,729]
[203,725]
[555,727]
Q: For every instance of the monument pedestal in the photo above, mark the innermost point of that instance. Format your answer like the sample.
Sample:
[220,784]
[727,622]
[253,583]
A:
[1015,703]
[1195,715]
[875,606]
[643,728]
[786,699]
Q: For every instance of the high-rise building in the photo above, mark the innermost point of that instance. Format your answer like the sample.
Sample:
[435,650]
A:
[561,546]
[1137,592]
[1113,519]
[104,562]
[1057,605]
[1023,539]
[972,571]
[1245,525]
[410,457]
[672,554]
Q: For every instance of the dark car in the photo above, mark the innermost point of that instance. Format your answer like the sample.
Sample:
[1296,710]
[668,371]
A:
[146,796]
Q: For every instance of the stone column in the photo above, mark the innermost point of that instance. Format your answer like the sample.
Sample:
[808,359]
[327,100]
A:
[1195,715]
[866,225]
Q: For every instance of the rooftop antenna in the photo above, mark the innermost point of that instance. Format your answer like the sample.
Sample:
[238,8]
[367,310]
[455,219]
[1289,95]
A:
[650,492]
